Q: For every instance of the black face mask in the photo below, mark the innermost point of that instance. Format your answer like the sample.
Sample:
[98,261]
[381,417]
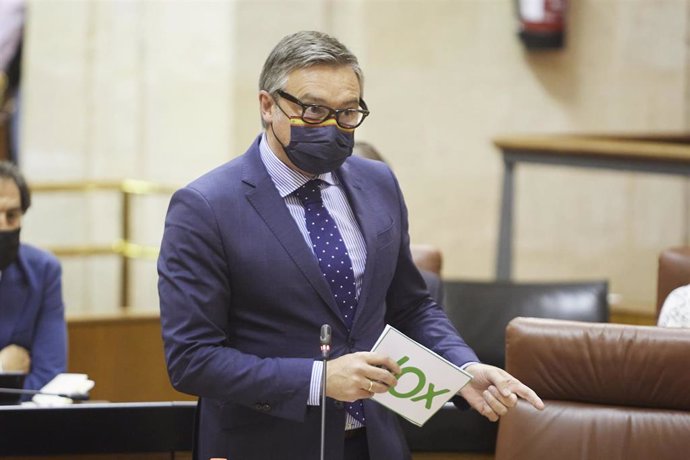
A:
[318,149]
[9,247]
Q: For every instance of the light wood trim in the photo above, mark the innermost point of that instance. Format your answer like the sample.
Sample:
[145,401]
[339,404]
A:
[632,317]
[130,186]
[81,250]
[118,247]
[116,316]
[594,145]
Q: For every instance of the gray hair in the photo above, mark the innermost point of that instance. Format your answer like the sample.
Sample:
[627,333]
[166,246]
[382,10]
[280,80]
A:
[301,50]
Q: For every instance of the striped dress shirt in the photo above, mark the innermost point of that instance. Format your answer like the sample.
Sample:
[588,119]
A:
[287,181]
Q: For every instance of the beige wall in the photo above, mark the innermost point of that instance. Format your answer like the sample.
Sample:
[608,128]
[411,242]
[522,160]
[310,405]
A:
[166,90]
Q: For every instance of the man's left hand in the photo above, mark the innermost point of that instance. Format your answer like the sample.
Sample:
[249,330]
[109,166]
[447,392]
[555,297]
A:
[493,391]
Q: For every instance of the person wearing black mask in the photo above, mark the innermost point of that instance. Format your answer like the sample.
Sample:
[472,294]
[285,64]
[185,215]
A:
[295,233]
[33,333]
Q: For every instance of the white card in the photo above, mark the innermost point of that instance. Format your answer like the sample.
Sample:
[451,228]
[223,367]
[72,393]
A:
[427,381]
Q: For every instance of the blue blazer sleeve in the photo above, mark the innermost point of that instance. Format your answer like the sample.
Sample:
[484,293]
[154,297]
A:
[49,345]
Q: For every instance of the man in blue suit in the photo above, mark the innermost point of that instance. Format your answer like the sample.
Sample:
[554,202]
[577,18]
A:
[33,334]
[260,252]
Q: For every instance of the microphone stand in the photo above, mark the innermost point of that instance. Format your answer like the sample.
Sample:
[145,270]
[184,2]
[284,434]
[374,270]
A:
[325,351]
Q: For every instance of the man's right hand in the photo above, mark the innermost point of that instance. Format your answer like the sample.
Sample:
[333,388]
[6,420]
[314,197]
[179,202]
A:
[360,375]
[14,358]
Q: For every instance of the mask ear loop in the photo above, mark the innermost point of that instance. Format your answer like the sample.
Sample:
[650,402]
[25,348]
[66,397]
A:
[272,129]
[277,138]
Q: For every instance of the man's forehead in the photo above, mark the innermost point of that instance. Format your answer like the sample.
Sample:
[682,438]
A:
[321,84]
[9,192]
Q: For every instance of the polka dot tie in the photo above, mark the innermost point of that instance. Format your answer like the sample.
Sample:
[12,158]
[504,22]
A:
[334,261]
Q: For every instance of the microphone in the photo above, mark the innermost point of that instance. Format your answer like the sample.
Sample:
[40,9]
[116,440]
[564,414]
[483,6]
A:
[325,339]
[17,391]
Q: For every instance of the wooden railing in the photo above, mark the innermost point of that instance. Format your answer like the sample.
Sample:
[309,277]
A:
[123,246]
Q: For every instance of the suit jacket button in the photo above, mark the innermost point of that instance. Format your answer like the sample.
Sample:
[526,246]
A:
[258,406]
[266,408]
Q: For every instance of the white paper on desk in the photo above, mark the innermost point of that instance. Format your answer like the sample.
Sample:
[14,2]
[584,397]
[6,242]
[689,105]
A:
[427,380]
[67,384]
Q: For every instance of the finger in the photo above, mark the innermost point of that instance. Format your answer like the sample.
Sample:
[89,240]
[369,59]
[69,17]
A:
[476,400]
[487,411]
[530,396]
[513,385]
[369,389]
[508,402]
[497,406]
[377,359]
[383,377]
[380,368]
[377,387]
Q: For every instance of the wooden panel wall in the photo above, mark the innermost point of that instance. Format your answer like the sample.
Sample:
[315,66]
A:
[123,354]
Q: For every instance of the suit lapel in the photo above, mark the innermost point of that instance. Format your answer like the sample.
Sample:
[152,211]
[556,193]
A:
[371,217]
[13,295]
[265,199]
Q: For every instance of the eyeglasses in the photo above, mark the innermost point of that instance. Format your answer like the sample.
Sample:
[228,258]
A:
[314,114]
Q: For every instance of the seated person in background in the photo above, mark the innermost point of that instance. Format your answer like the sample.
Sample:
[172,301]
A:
[33,333]
[433,281]
[676,309]
[366,150]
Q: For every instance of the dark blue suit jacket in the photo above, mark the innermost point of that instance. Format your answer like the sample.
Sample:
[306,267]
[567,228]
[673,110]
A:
[243,299]
[32,314]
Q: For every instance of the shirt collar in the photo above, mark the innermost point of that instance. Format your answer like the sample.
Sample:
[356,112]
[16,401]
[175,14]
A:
[286,179]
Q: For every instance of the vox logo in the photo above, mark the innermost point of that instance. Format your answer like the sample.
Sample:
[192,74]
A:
[417,392]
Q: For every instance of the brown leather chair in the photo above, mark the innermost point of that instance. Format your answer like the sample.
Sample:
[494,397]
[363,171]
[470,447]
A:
[612,392]
[480,311]
[674,271]
[429,261]
[427,257]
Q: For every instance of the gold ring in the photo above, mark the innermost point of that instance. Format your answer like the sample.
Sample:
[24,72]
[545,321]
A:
[371,385]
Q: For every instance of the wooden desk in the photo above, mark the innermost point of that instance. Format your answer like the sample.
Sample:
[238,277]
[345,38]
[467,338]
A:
[106,345]
[662,154]
[95,428]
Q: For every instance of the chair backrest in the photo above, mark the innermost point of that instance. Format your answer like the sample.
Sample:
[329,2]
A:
[482,310]
[427,257]
[674,271]
[612,391]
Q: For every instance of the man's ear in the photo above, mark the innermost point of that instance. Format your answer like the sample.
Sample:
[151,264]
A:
[266,104]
